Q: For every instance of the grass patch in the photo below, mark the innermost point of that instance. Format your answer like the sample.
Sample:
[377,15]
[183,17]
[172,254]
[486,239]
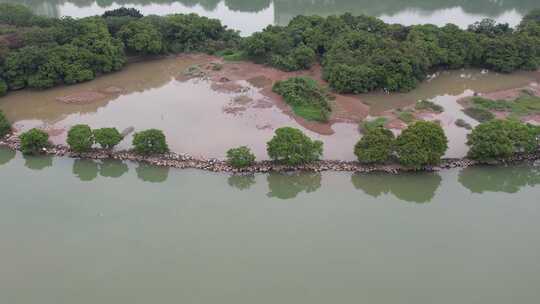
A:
[232,55]
[463,124]
[428,105]
[306,97]
[405,116]
[479,114]
[369,125]
[526,104]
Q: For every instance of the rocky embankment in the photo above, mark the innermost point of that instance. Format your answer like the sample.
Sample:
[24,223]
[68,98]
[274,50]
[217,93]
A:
[185,161]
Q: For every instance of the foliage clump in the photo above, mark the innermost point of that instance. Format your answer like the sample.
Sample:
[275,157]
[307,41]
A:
[292,147]
[306,97]
[150,141]
[368,125]
[107,138]
[80,138]
[463,124]
[5,126]
[422,143]
[479,114]
[240,157]
[375,147]
[34,141]
[362,53]
[501,138]
[429,105]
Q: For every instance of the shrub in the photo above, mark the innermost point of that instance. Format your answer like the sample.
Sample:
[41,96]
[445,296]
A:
[5,126]
[479,114]
[80,138]
[422,143]
[405,116]
[151,141]
[463,124]
[292,147]
[3,87]
[368,125]
[107,138]
[376,146]
[428,105]
[501,138]
[306,97]
[240,157]
[34,141]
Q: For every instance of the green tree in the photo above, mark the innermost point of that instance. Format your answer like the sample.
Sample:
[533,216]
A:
[376,146]
[150,141]
[141,36]
[240,157]
[107,138]
[34,141]
[422,143]
[500,139]
[80,138]
[5,126]
[292,147]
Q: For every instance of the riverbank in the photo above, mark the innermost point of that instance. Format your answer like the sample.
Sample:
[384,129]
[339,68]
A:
[186,161]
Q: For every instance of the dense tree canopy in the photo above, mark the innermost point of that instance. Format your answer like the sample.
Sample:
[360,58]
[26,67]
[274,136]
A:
[361,53]
[41,52]
[422,143]
[292,147]
[376,146]
[501,138]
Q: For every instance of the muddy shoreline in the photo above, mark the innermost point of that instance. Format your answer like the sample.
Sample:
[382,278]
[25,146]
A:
[186,161]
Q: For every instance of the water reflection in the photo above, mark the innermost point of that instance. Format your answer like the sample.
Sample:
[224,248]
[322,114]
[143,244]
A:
[409,187]
[85,169]
[241,182]
[499,179]
[6,155]
[38,163]
[288,186]
[113,168]
[152,174]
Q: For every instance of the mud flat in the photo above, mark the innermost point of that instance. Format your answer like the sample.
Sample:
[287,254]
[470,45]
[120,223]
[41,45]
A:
[227,104]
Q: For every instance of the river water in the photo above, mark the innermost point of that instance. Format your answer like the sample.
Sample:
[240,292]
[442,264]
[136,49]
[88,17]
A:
[76,231]
[249,16]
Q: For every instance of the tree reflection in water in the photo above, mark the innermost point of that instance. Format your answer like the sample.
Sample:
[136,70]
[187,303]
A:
[499,179]
[288,186]
[410,187]
[85,170]
[6,155]
[241,182]
[113,168]
[152,174]
[38,162]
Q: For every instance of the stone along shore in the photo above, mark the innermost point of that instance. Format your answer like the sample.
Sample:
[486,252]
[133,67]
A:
[185,161]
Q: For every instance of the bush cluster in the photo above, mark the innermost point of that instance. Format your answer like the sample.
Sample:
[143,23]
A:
[34,141]
[240,157]
[306,97]
[149,142]
[43,52]
[362,53]
[502,138]
[423,143]
[5,126]
[81,138]
[292,147]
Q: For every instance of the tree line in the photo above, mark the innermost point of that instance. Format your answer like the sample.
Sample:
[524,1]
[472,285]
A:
[41,52]
[421,144]
[358,53]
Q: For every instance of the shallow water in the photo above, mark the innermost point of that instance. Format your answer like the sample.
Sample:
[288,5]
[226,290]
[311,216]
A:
[205,122]
[113,232]
[249,16]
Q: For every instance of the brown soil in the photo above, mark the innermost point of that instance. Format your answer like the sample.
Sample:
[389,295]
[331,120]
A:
[82,97]
[346,108]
